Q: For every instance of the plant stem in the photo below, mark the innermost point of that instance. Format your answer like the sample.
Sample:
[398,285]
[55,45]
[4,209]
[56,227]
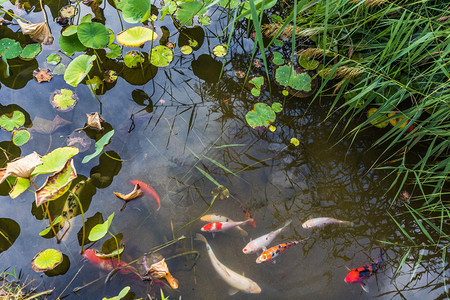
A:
[51,223]
[12,15]
[89,78]
[82,215]
[117,245]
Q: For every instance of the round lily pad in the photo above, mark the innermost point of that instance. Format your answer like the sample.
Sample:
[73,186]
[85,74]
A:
[46,260]
[68,11]
[261,115]
[278,58]
[70,30]
[93,35]
[71,43]
[307,63]
[30,51]
[115,51]
[9,48]
[78,69]
[220,50]
[11,121]
[20,137]
[53,59]
[161,56]
[132,59]
[204,20]
[379,121]
[186,49]
[63,99]
[136,36]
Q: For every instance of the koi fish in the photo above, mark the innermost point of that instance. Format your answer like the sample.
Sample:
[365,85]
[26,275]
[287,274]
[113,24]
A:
[248,216]
[236,281]
[362,273]
[273,252]
[217,218]
[222,226]
[317,222]
[263,241]
[107,264]
[148,190]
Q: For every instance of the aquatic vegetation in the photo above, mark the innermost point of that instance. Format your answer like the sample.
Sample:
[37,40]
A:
[11,121]
[20,137]
[46,260]
[121,294]
[42,75]
[262,114]
[78,69]
[99,145]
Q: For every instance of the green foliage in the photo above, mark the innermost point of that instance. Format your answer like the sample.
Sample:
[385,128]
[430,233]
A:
[20,137]
[187,10]
[134,11]
[307,63]
[71,43]
[161,56]
[115,51]
[78,69]
[245,7]
[63,100]
[55,160]
[136,36]
[53,59]
[122,294]
[100,230]
[93,35]
[9,122]
[287,76]
[262,114]
[258,82]
[47,259]
[20,186]
[30,51]
[220,50]
[99,145]
[9,49]
[278,58]
[132,59]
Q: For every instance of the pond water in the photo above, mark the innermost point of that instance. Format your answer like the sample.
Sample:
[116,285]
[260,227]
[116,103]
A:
[197,122]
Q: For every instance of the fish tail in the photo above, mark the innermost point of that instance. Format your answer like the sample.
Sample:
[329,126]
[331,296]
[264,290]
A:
[248,220]
[200,237]
[348,223]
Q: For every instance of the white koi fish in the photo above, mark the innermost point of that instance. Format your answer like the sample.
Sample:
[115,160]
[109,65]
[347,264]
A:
[222,226]
[263,241]
[316,222]
[218,218]
[234,280]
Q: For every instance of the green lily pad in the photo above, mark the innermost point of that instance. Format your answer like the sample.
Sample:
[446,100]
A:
[187,10]
[136,36]
[20,186]
[192,43]
[134,11]
[220,50]
[258,82]
[9,232]
[9,48]
[70,30]
[379,121]
[68,11]
[277,107]
[132,59]
[287,76]
[56,185]
[186,49]
[46,260]
[307,63]
[78,69]
[204,20]
[124,292]
[71,44]
[63,99]
[295,142]
[99,145]
[278,58]
[20,137]
[49,228]
[229,3]
[161,56]
[277,42]
[115,51]
[30,51]
[53,59]
[86,19]
[55,160]
[93,35]
[261,115]
[9,122]
[100,230]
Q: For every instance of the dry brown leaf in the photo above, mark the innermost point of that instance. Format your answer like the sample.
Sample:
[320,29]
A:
[95,121]
[38,32]
[22,166]
[136,192]
[42,75]
[45,126]
[160,270]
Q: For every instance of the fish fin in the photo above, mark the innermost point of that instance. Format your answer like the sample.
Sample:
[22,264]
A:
[264,248]
[348,268]
[200,237]
[364,287]
[232,291]
[286,224]
[273,261]
[213,234]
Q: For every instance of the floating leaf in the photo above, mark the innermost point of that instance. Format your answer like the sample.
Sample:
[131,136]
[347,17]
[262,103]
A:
[307,63]
[63,100]
[99,145]
[53,59]
[220,50]
[258,82]
[188,9]
[30,51]
[95,121]
[122,294]
[132,59]
[9,49]
[11,121]
[68,11]
[261,115]
[272,128]
[186,49]
[20,137]
[278,43]
[71,43]
[42,75]
[161,56]
[136,192]
[78,69]
[22,166]
[100,230]
[80,140]
[9,232]
[55,160]
[86,19]
[46,260]
[277,107]
[60,69]
[54,223]
[70,30]
[20,186]
[278,58]
[56,185]
[134,11]
[45,126]
[136,36]
[93,35]
[95,83]
[287,76]
[295,142]
[204,20]
[380,121]
[38,32]
[115,51]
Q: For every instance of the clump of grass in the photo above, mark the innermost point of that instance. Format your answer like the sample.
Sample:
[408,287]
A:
[12,288]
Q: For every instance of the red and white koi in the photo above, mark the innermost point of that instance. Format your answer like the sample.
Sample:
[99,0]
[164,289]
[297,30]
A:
[222,226]
[107,264]
[317,222]
[217,218]
[148,190]
[263,241]
[273,252]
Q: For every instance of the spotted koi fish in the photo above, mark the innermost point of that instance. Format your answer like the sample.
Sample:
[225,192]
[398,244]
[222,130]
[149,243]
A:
[362,273]
[222,226]
[273,252]
[148,190]
[217,218]
[107,264]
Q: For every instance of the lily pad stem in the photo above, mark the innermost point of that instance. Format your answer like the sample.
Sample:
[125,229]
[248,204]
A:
[95,95]
[12,15]
[51,223]
[98,59]
[140,61]
[82,215]
[117,245]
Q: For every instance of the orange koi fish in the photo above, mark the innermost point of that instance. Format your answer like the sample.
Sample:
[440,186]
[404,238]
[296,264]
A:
[362,273]
[248,216]
[148,190]
[273,252]
[222,226]
[107,264]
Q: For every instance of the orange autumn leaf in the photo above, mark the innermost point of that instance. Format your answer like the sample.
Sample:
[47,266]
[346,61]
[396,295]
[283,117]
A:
[136,192]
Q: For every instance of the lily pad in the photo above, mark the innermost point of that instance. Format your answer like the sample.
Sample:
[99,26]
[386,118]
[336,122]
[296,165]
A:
[93,35]
[53,59]
[55,160]
[71,43]
[134,11]
[68,11]
[132,59]
[42,75]
[20,186]
[56,185]
[9,232]
[20,137]
[115,51]
[220,50]
[379,121]
[278,58]
[186,49]
[86,19]
[99,145]
[261,115]
[100,230]
[95,83]
[161,56]
[70,30]
[63,100]
[110,76]
[46,260]
[287,76]
[204,20]
[9,48]
[307,63]
[78,69]
[136,36]
[9,122]
[80,140]
[258,82]
[60,69]
[188,9]
[30,51]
